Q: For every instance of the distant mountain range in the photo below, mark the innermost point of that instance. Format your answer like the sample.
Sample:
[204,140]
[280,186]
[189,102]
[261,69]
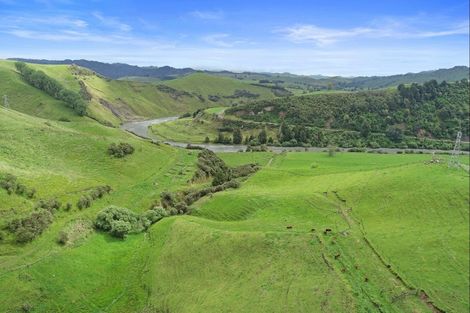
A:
[313,82]
[118,70]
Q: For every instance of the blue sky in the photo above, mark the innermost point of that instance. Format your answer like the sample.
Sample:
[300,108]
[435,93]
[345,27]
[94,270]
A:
[305,37]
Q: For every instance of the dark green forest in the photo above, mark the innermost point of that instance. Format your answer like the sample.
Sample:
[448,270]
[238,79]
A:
[429,110]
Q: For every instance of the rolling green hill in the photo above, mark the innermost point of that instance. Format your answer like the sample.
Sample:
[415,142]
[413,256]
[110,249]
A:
[393,246]
[259,248]
[221,90]
[113,101]
[356,232]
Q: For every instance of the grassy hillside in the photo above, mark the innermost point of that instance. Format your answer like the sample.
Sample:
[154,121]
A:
[63,161]
[27,99]
[221,90]
[390,201]
[113,101]
[260,248]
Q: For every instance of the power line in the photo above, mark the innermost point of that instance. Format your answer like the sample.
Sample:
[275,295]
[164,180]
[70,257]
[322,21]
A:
[454,158]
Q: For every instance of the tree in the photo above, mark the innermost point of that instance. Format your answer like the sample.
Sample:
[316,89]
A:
[220,138]
[285,133]
[263,137]
[365,128]
[394,133]
[237,136]
[206,140]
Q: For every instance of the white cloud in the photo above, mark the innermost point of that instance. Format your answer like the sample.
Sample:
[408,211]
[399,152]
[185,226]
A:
[207,15]
[218,40]
[388,29]
[112,22]
[13,21]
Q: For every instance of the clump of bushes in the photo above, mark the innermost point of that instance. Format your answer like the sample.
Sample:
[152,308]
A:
[120,150]
[51,205]
[85,201]
[28,228]
[210,165]
[119,222]
[10,183]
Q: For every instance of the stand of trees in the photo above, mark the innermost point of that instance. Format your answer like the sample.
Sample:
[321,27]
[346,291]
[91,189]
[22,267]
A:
[52,87]
[422,110]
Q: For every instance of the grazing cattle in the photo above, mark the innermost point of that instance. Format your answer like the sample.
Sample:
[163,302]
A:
[327,230]
[289,227]
[366,279]
[337,256]
[312,230]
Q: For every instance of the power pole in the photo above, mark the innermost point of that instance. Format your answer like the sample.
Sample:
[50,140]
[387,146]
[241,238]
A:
[454,157]
[6,104]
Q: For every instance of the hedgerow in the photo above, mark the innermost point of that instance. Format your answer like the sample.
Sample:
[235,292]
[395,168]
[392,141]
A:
[52,87]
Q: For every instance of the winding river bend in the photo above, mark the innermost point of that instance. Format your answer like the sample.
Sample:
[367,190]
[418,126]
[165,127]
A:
[141,129]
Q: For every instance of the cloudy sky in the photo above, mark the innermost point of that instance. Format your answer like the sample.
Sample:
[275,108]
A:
[299,36]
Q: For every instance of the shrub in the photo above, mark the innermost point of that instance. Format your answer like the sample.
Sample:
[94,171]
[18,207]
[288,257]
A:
[118,221]
[68,206]
[167,199]
[2,236]
[51,205]
[63,237]
[28,228]
[84,202]
[181,208]
[10,183]
[120,229]
[155,214]
[120,150]
[30,193]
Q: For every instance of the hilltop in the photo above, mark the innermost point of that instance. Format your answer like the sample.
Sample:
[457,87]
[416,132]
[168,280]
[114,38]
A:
[295,83]
[114,101]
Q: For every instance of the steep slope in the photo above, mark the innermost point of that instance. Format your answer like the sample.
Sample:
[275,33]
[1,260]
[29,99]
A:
[63,161]
[27,99]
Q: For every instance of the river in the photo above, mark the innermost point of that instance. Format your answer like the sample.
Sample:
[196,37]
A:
[141,129]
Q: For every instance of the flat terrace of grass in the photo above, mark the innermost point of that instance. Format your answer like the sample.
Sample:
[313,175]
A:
[196,130]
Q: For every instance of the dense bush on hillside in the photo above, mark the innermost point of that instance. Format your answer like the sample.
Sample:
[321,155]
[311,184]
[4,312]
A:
[210,165]
[428,110]
[28,228]
[85,201]
[10,183]
[51,205]
[120,150]
[119,222]
[52,87]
